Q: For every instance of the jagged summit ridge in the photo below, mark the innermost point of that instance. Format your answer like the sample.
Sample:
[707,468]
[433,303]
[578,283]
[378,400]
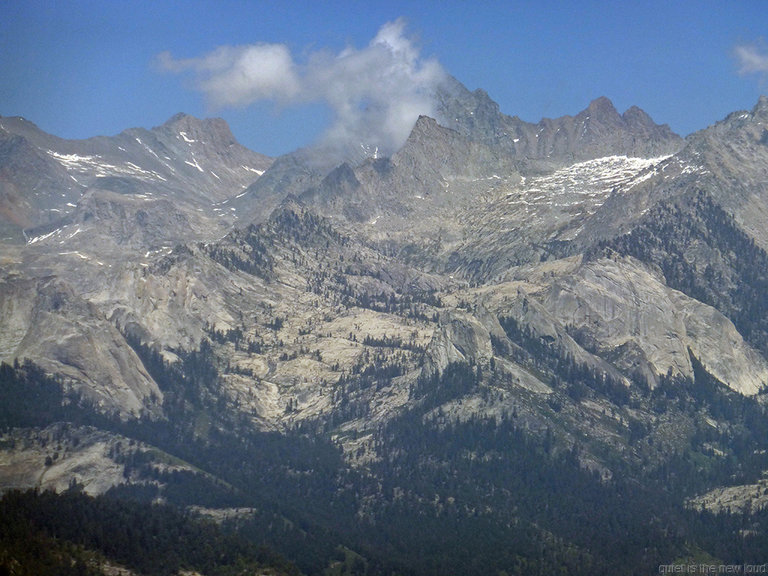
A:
[597,131]
[493,142]
[213,132]
[190,161]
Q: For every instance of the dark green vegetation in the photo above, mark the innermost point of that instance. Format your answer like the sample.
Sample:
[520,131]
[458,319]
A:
[72,534]
[512,493]
[482,496]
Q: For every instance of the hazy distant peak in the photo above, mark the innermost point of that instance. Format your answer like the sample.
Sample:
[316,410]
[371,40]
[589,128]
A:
[176,118]
[761,108]
[637,116]
[192,129]
[602,106]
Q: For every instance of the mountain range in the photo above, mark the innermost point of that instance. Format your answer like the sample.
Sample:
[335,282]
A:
[506,348]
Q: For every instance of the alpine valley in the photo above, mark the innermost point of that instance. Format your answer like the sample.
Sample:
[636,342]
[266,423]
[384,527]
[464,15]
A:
[507,348]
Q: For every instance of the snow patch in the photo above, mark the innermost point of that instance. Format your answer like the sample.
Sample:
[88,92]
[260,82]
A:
[148,149]
[584,186]
[94,165]
[194,164]
[74,253]
[37,239]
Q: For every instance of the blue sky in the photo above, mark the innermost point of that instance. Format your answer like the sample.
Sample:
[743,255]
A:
[85,68]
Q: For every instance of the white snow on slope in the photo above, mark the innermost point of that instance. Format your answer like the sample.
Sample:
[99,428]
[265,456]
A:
[96,166]
[60,234]
[194,164]
[37,239]
[588,183]
[597,177]
[259,172]
[560,201]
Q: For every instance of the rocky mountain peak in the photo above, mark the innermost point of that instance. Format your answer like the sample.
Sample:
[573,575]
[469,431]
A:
[761,108]
[21,127]
[635,116]
[472,114]
[424,127]
[178,118]
[214,131]
[599,130]
[602,108]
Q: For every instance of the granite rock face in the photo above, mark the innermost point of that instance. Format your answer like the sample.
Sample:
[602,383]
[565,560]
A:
[621,310]
[45,320]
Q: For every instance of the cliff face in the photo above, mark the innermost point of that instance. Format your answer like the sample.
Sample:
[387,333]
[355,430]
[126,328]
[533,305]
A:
[467,201]
[582,277]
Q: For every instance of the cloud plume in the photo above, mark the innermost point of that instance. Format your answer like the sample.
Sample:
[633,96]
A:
[375,93]
[752,58]
[240,75]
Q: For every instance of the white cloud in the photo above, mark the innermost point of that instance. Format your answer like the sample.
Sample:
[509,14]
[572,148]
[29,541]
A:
[376,93]
[241,75]
[752,58]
